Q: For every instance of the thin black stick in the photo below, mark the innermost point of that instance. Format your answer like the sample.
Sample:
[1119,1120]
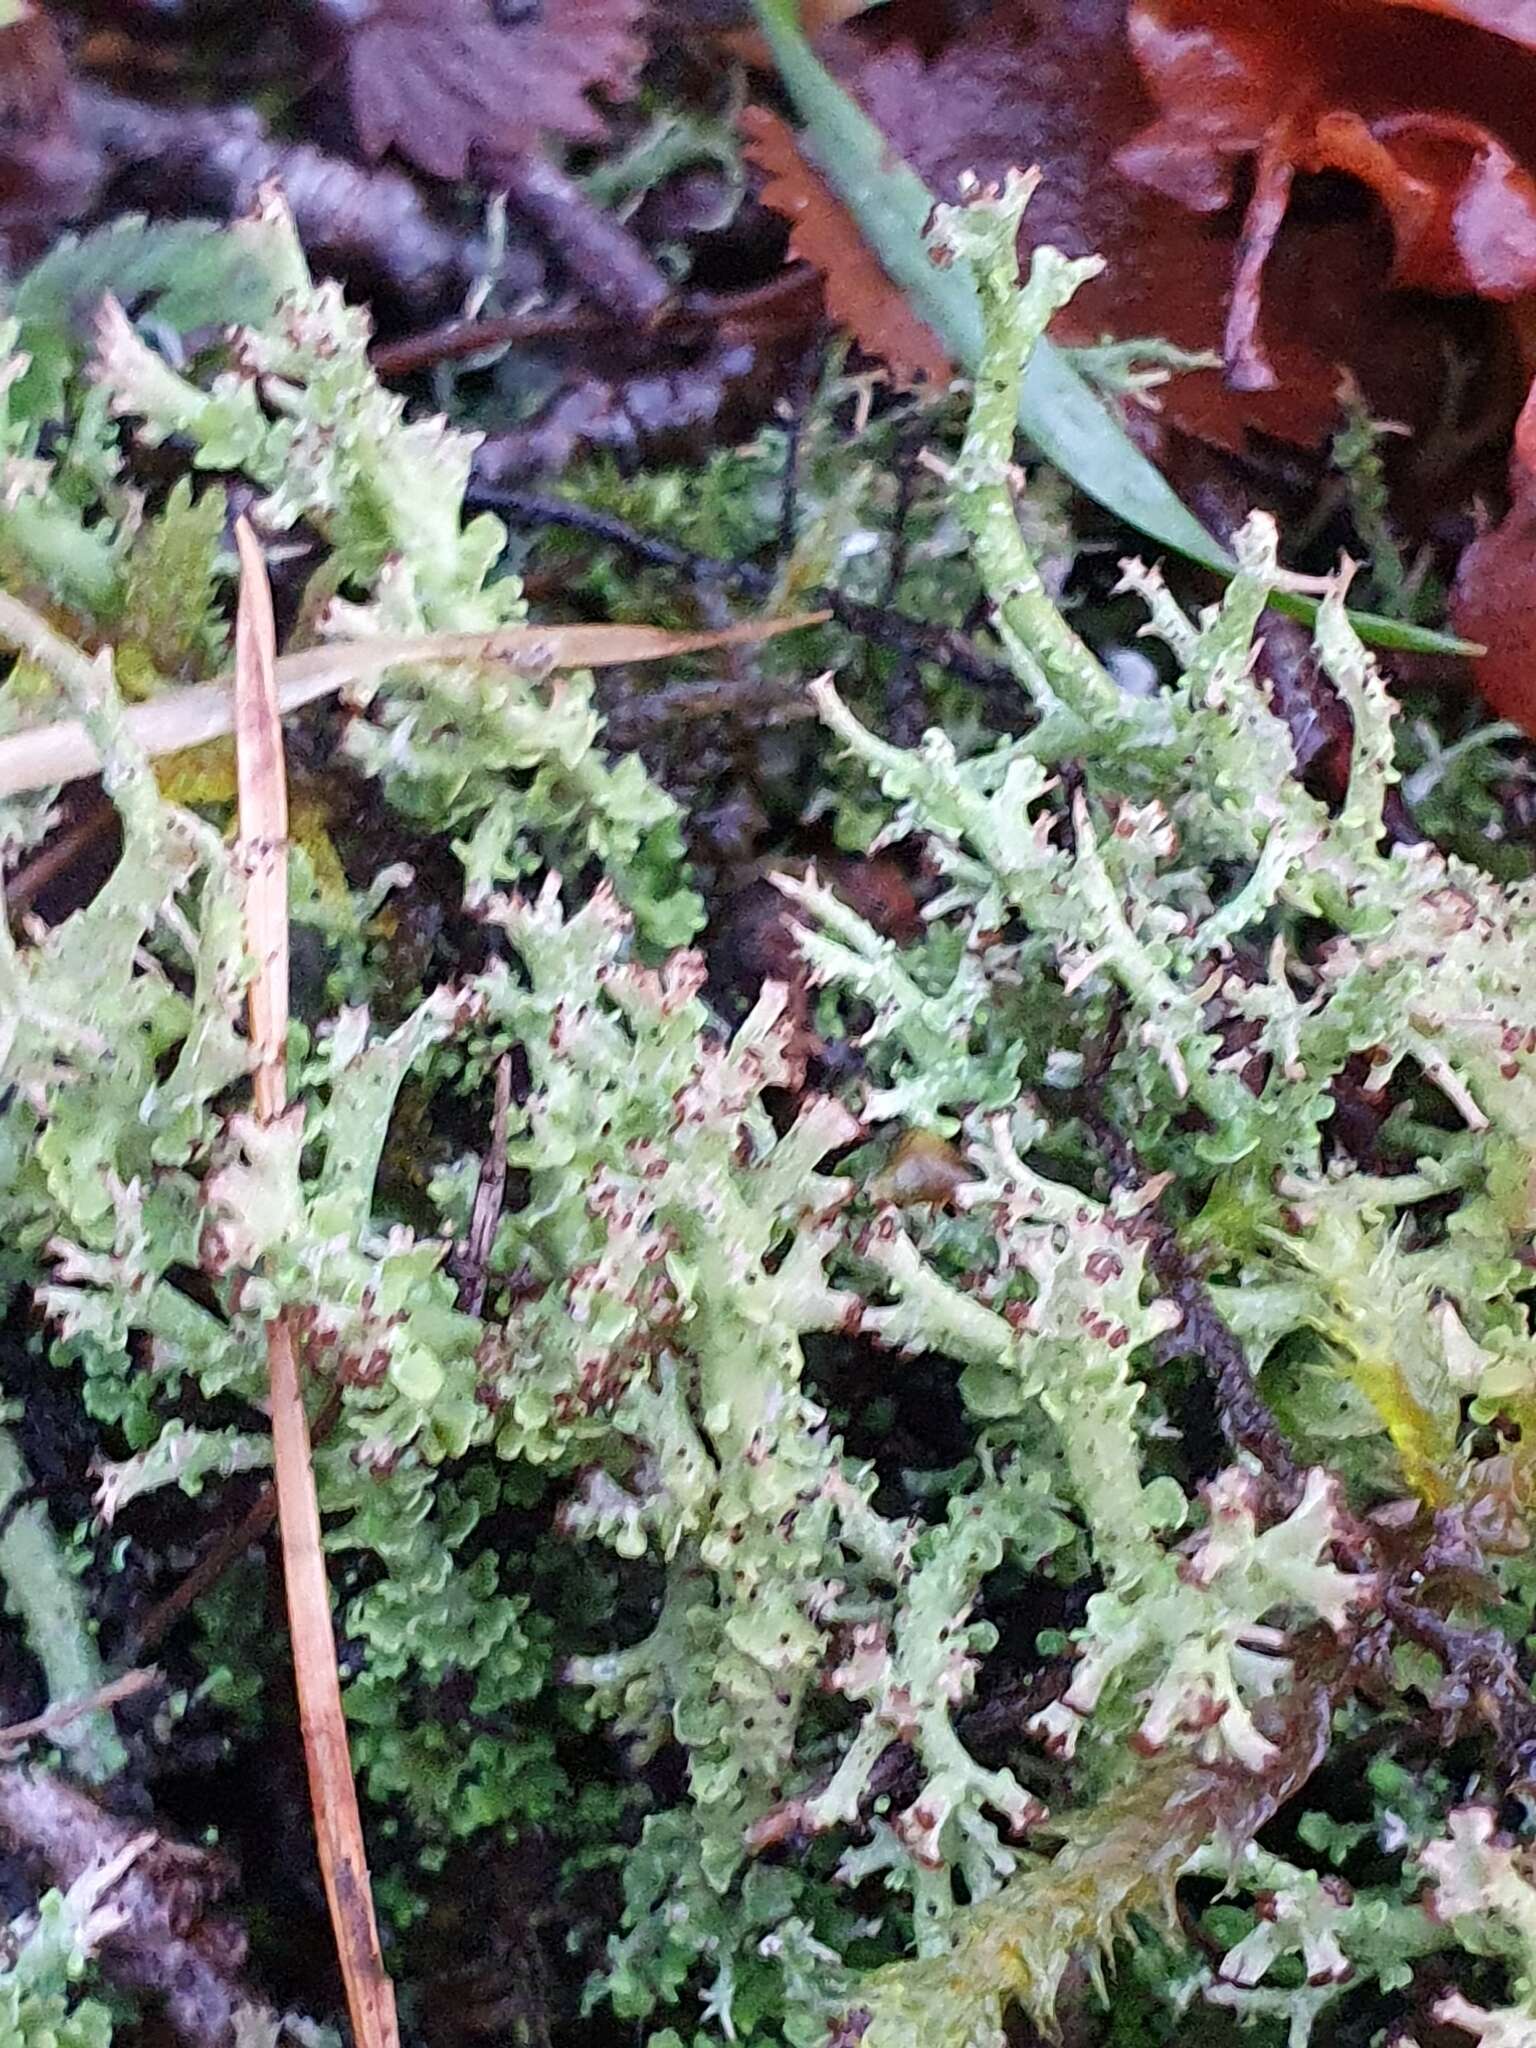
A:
[880,625]
[1247,1421]
[802,392]
[1482,1674]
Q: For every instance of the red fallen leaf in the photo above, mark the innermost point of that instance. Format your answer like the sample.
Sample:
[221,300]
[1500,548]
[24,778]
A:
[1410,97]
[752,938]
[824,234]
[445,81]
[1494,599]
[1057,85]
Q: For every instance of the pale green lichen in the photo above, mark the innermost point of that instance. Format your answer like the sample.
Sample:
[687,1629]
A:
[772,1618]
[42,1957]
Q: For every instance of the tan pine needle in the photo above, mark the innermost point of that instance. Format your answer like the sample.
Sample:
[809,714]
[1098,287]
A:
[44,755]
[333,1794]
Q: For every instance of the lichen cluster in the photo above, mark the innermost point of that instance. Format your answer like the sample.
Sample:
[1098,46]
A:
[1244,1404]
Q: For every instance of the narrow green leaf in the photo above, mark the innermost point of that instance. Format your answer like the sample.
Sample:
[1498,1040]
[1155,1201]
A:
[1058,411]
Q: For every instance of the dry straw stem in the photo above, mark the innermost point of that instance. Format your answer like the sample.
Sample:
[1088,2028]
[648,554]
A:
[52,754]
[333,1795]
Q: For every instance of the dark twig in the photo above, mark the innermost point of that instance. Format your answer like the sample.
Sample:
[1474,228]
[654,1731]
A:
[908,713]
[1483,1677]
[610,263]
[787,303]
[236,1540]
[908,470]
[57,855]
[906,695]
[879,625]
[457,339]
[1247,1421]
[24,1497]
[16,1735]
[802,391]
[370,222]
[471,1264]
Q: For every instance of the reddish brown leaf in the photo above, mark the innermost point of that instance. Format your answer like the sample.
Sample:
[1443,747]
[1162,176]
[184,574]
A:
[823,233]
[1410,97]
[34,77]
[1495,595]
[1056,86]
[445,82]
